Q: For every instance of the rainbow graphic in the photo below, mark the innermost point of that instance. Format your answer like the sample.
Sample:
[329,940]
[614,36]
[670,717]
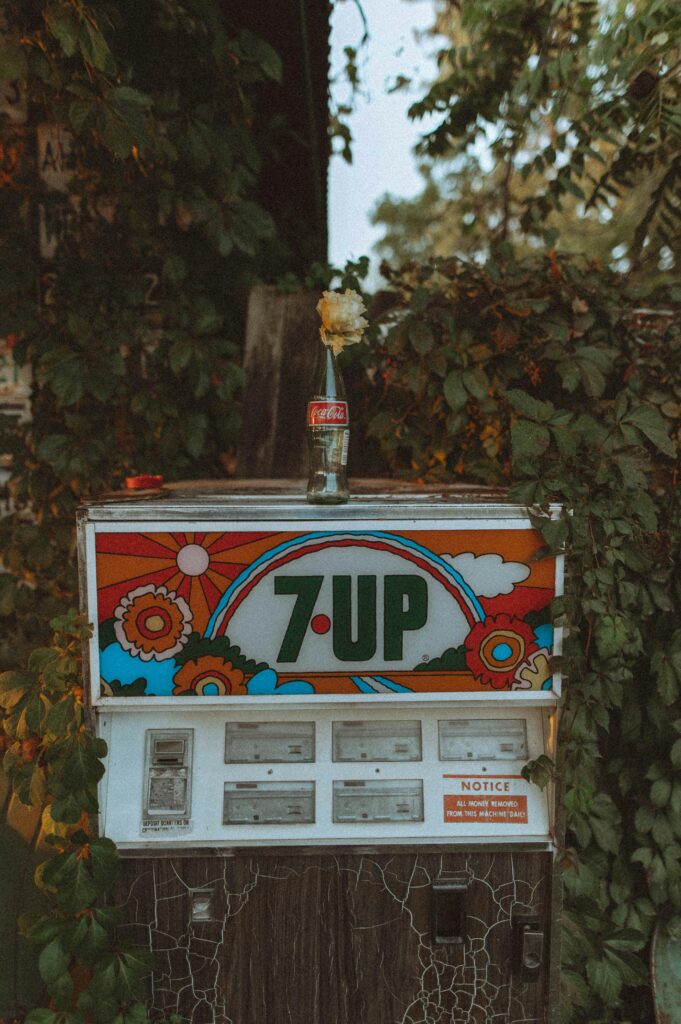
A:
[291,550]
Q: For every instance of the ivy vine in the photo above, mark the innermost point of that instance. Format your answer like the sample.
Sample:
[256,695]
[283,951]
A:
[138,226]
[543,377]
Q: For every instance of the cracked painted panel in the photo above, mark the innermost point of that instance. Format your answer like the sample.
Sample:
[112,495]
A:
[335,939]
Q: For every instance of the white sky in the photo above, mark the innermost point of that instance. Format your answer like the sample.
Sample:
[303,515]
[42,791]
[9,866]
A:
[383,136]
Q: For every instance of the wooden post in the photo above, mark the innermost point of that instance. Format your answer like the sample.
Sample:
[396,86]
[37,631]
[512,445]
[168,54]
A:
[280,361]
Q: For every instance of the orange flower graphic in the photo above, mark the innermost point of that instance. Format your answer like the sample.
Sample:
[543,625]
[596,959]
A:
[496,647]
[152,623]
[209,676]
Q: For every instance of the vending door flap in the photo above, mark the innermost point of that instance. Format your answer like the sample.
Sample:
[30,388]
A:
[377,741]
[269,742]
[483,739]
[269,803]
[357,800]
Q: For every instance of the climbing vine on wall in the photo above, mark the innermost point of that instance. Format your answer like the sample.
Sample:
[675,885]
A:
[542,376]
[131,143]
[55,763]
[129,164]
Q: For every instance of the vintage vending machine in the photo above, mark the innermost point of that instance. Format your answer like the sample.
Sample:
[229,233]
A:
[317,720]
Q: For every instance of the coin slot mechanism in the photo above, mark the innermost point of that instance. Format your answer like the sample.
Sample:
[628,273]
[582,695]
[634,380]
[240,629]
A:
[483,739]
[168,751]
[370,801]
[203,905]
[269,803]
[168,758]
[377,741]
[269,742]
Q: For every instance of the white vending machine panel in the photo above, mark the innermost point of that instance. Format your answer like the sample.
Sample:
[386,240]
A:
[344,778]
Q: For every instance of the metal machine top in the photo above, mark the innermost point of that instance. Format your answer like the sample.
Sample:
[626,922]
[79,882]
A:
[285,499]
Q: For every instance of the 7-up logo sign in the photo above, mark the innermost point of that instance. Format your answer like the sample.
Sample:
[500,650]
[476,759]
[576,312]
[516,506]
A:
[356,630]
[347,602]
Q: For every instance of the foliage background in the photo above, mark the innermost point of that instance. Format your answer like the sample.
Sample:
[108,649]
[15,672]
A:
[134,350]
[519,367]
[557,123]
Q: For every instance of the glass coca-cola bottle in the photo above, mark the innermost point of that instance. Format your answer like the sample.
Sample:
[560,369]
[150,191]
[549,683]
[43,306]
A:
[328,436]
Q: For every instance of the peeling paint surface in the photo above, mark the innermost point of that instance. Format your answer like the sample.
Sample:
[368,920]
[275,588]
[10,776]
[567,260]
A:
[335,939]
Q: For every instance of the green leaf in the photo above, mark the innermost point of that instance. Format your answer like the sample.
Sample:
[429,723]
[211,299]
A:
[476,381]
[125,94]
[632,970]
[181,352]
[60,717]
[41,1015]
[66,375]
[611,633]
[64,26]
[530,407]
[82,768]
[667,676]
[592,378]
[454,390]
[660,792]
[259,52]
[72,878]
[675,754]
[14,685]
[194,432]
[605,979]
[421,337]
[248,224]
[82,114]
[53,961]
[94,48]
[648,420]
[554,532]
[105,863]
[61,990]
[539,772]
[528,441]
[625,938]
[607,837]
[38,788]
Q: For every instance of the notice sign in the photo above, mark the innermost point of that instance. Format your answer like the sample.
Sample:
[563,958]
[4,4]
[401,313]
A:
[488,799]
[509,809]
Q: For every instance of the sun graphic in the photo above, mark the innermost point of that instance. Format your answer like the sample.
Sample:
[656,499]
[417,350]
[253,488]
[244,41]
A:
[195,567]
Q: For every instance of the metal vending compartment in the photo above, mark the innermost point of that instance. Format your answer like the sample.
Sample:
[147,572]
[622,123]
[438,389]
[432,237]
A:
[268,803]
[470,739]
[269,742]
[384,800]
[337,704]
[377,741]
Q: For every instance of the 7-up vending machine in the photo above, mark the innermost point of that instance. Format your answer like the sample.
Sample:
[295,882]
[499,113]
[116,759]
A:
[317,721]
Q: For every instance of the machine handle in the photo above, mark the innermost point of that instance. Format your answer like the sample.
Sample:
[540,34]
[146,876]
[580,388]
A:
[528,947]
[449,912]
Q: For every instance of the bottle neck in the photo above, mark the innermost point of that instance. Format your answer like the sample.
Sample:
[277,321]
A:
[330,379]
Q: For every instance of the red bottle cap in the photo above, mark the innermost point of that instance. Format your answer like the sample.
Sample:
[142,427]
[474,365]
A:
[143,482]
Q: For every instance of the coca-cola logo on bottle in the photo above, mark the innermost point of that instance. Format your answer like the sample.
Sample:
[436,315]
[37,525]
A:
[327,414]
